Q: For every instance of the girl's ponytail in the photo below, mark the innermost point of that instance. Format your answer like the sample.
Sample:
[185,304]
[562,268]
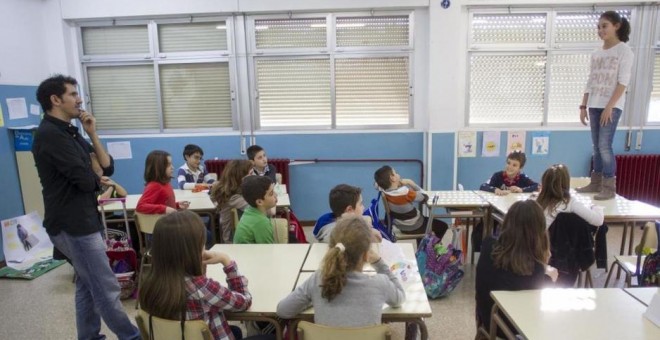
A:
[334,273]
[624,30]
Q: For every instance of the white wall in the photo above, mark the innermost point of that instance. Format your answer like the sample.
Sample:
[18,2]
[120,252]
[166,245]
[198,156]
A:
[23,53]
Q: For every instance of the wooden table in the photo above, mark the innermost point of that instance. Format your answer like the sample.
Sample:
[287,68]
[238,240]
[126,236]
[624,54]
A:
[606,313]
[467,205]
[642,294]
[271,270]
[414,309]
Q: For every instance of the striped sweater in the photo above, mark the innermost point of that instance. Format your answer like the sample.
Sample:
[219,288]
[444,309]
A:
[403,211]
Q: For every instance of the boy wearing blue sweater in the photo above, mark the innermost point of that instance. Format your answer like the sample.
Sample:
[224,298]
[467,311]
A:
[343,199]
[512,179]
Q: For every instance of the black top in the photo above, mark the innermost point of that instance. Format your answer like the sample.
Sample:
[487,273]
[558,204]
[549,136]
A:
[270,172]
[497,182]
[490,278]
[68,181]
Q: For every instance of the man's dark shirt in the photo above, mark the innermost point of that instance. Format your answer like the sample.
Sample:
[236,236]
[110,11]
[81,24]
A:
[69,184]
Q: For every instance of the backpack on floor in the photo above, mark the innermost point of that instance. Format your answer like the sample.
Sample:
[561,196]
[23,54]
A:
[439,265]
[374,213]
[651,268]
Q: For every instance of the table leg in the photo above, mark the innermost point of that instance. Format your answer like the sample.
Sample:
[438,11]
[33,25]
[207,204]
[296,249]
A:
[623,246]
[632,238]
[423,331]
[279,331]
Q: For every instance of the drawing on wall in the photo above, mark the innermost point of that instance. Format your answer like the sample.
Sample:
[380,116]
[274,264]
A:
[467,144]
[515,142]
[540,143]
[491,144]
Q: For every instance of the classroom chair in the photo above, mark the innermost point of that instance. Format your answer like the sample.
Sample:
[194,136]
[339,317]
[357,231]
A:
[632,264]
[145,224]
[308,330]
[152,327]
[280,230]
[390,225]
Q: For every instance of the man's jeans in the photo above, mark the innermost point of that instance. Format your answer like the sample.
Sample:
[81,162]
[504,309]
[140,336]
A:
[602,137]
[97,290]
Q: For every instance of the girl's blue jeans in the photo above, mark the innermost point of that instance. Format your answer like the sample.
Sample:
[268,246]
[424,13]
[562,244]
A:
[602,137]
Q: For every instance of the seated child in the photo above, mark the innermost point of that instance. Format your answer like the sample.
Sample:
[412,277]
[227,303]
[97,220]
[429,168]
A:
[511,180]
[109,188]
[192,172]
[226,193]
[401,194]
[178,272]
[344,199]
[255,226]
[517,260]
[555,197]
[158,196]
[257,155]
[341,294]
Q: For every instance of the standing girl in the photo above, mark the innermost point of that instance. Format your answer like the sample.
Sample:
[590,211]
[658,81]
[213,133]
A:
[517,260]
[176,286]
[158,195]
[341,294]
[227,194]
[605,97]
[555,197]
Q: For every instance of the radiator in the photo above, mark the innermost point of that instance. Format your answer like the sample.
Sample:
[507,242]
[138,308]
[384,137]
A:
[638,177]
[281,165]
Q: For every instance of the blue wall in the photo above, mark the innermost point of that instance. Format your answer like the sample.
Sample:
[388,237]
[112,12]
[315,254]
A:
[572,148]
[309,183]
[12,202]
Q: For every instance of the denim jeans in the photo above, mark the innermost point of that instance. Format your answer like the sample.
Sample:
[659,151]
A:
[602,137]
[97,289]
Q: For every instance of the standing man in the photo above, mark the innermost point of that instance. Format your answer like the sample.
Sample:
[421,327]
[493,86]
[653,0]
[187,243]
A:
[72,219]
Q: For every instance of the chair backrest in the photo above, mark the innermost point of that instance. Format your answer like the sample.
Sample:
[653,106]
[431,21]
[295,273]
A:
[280,230]
[234,218]
[308,330]
[386,206]
[146,222]
[165,329]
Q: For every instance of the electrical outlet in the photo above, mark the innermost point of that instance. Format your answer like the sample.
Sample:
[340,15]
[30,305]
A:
[638,142]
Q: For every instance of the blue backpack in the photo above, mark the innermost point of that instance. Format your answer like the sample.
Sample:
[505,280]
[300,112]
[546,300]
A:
[374,213]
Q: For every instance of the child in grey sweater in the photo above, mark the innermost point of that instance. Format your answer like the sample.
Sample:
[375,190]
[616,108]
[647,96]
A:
[341,294]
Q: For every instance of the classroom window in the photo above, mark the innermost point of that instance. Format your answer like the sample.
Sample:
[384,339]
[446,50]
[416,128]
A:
[332,71]
[529,66]
[159,75]
[654,105]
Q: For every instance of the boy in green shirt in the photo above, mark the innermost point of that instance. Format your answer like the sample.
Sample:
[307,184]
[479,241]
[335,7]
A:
[254,226]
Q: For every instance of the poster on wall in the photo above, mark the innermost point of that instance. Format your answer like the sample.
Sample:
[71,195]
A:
[515,142]
[491,145]
[25,241]
[540,143]
[467,144]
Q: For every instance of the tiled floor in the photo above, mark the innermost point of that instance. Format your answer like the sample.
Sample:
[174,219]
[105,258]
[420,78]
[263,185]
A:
[43,308]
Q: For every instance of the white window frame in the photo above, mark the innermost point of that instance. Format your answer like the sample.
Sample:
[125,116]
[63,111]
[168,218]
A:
[156,58]
[332,52]
[549,48]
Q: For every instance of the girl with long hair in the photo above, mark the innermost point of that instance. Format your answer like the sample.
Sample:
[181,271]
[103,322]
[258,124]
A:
[177,288]
[226,193]
[158,196]
[555,197]
[342,295]
[605,97]
[516,260]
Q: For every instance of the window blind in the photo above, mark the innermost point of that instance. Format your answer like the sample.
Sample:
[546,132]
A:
[373,31]
[654,106]
[115,40]
[372,91]
[290,33]
[508,28]
[293,92]
[192,37]
[568,77]
[195,95]
[123,97]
